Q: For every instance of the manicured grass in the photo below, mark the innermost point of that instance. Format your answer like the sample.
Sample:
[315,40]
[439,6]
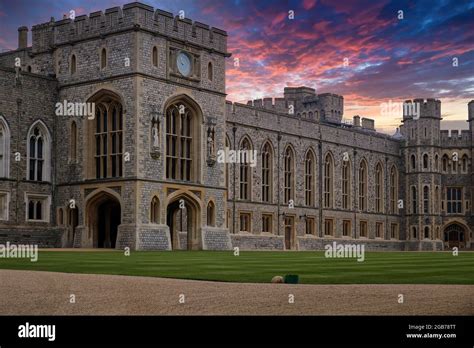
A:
[260,267]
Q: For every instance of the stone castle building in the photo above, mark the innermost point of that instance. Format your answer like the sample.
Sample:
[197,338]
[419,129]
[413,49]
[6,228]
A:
[132,159]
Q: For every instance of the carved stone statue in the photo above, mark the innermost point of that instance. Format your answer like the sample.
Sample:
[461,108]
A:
[155,135]
[211,146]
[155,132]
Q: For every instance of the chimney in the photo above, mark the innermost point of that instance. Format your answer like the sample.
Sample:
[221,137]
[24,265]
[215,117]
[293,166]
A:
[22,37]
[356,121]
[368,123]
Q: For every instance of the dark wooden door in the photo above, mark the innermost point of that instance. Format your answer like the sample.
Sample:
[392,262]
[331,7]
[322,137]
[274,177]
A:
[289,227]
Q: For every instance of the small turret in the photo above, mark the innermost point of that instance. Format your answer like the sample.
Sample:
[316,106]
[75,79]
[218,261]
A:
[397,135]
[427,108]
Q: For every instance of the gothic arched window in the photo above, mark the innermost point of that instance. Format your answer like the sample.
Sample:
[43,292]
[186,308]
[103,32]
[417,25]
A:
[182,142]
[346,184]
[245,174]
[309,178]
[414,201]
[328,181]
[267,172]
[363,185]
[427,232]
[379,201]
[4,149]
[413,162]
[108,139]
[425,161]
[445,162]
[39,150]
[289,174]
[393,190]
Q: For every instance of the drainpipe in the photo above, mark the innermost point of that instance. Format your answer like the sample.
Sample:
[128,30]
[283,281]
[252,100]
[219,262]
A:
[234,129]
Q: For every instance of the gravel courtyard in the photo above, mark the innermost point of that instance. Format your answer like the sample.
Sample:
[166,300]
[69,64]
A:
[49,293]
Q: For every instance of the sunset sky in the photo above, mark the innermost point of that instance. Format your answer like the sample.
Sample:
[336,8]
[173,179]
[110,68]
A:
[388,58]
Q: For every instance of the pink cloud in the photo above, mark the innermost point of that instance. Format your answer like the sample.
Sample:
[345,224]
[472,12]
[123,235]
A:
[309,4]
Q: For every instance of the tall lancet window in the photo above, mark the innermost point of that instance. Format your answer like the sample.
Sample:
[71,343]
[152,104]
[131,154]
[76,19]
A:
[309,179]
[4,149]
[267,172]
[328,181]
[39,150]
[363,186]
[289,170]
[108,140]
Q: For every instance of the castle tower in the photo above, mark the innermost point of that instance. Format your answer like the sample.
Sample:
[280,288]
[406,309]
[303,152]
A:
[422,157]
[153,85]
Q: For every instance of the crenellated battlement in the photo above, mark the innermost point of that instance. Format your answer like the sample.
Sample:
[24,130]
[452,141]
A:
[133,16]
[306,104]
[456,138]
[271,104]
[422,108]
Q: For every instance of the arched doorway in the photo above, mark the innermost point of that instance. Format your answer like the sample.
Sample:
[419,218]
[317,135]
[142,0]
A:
[454,236]
[104,217]
[183,220]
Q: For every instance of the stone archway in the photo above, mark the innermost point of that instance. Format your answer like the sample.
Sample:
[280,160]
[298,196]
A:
[454,235]
[183,217]
[103,219]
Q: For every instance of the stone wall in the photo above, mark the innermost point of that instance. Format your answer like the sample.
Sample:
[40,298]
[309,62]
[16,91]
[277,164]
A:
[153,237]
[215,238]
[255,242]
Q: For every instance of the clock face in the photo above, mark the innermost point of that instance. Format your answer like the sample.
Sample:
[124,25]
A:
[183,62]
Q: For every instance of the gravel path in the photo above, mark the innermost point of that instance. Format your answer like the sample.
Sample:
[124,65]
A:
[48,293]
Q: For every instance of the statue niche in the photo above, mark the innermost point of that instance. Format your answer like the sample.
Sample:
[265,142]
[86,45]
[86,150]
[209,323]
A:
[155,137]
[211,145]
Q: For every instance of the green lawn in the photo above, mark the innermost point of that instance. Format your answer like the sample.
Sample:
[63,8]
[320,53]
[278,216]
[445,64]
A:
[260,267]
